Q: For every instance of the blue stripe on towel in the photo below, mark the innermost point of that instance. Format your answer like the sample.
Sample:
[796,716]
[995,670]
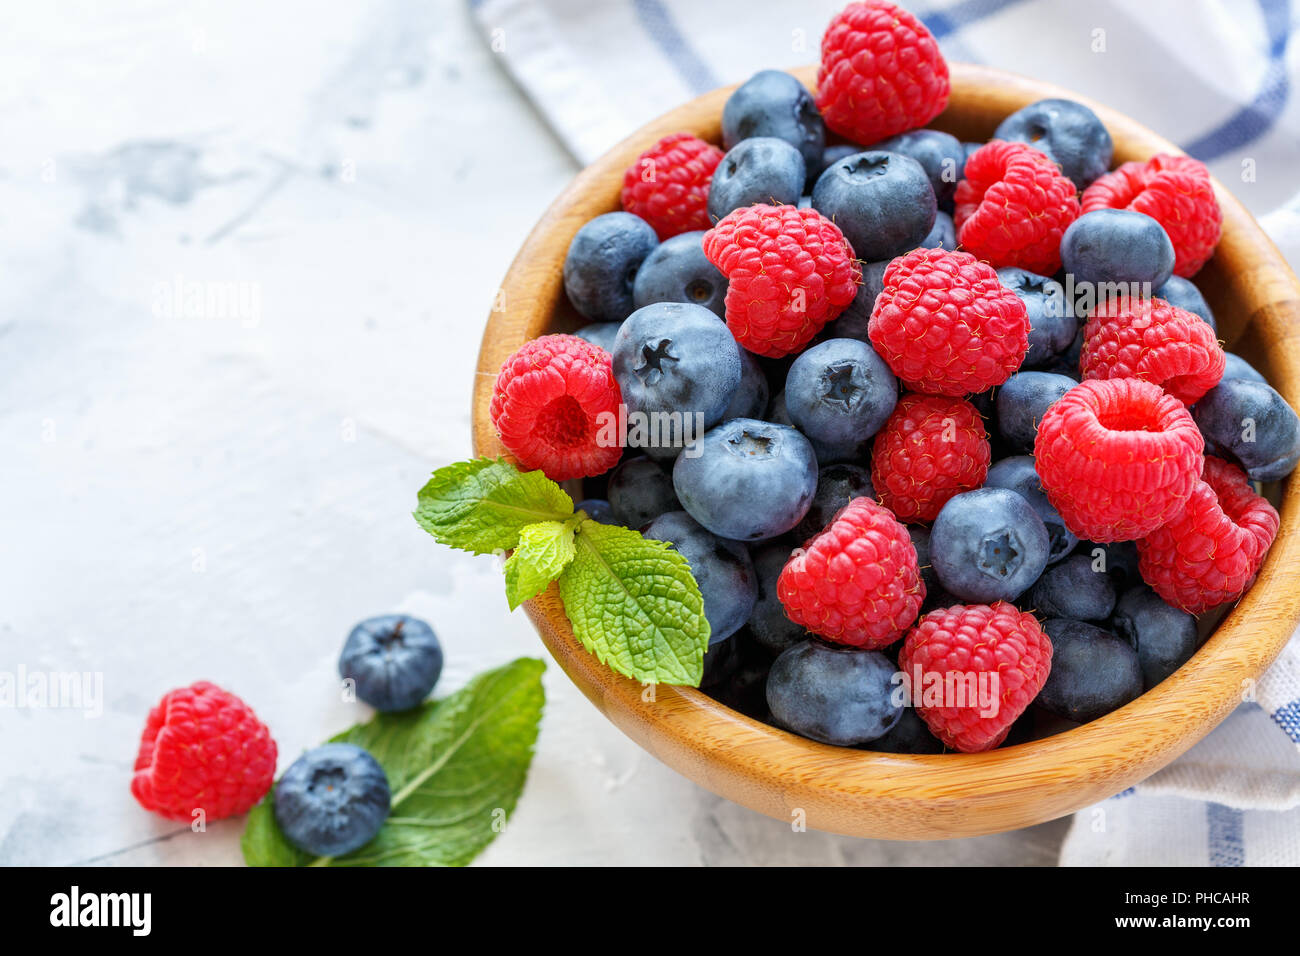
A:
[945,22]
[1259,115]
[663,30]
[1288,718]
[1226,826]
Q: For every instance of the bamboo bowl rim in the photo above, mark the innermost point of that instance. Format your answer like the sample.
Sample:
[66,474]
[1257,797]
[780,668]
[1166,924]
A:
[893,796]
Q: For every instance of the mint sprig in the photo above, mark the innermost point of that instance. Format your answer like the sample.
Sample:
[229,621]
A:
[633,603]
[455,766]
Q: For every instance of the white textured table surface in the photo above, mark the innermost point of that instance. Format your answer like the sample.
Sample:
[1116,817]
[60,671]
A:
[222,497]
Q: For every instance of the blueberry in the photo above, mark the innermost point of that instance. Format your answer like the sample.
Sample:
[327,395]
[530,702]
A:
[988,545]
[1184,294]
[678,271]
[773,103]
[1052,326]
[833,154]
[720,662]
[1068,132]
[920,536]
[840,393]
[836,695]
[640,491]
[1164,637]
[597,509]
[909,736]
[1073,589]
[941,155]
[1118,559]
[1093,671]
[747,480]
[852,323]
[837,485]
[1021,402]
[394,660]
[332,800]
[600,333]
[943,235]
[721,568]
[1238,367]
[1117,246]
[602,264]
[750,400]
[769,625]
[882,202]
[745,689]
[759,170]
[1017,474]
[1252,423]
[676,357]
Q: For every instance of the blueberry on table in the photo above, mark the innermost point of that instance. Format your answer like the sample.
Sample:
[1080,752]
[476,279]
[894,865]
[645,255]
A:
[1017,474]
[1250,422]
[837,485]
[833,694]
[768,625]
[601,265]
[941,155]
[721,568]
[679,271]
[746,479]
[1117,246]
[1184,294]
[1052,323]
[1022,401]
[988,545]
[840,393]
[1093,671]
[773,103]
[759,170]
[676,357]
[394,660]
[1073,589]
[1068,132]
[1164,637]
[332,800]
[881,201]
[639,491]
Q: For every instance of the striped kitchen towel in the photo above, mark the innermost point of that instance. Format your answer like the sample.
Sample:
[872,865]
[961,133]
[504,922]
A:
[1217,76]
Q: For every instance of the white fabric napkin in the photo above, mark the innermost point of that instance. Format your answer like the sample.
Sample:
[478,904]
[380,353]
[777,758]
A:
[1219,77]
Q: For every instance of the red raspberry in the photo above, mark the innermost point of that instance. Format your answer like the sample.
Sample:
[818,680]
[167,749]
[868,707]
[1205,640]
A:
[789,272]
[668,185]
[931,448]
[856,582]
[946,325]
[957,655]
[1155,341]
[881,73]
[548,403]
[1013,207]
[1117,458]
[1178,193]
[202,749]
[1211,551]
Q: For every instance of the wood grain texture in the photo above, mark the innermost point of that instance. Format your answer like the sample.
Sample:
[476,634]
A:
[1256,299]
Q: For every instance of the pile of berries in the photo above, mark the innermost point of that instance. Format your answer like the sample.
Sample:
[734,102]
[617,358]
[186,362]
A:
[944,430]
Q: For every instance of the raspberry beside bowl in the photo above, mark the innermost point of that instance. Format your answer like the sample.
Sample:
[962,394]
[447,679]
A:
[887,796]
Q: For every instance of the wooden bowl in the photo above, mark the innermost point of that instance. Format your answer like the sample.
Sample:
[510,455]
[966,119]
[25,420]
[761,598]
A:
[1256,299]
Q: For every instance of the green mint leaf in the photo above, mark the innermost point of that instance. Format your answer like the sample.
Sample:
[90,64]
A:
[543,552]
[480,506]
[456,768]
[634,604]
